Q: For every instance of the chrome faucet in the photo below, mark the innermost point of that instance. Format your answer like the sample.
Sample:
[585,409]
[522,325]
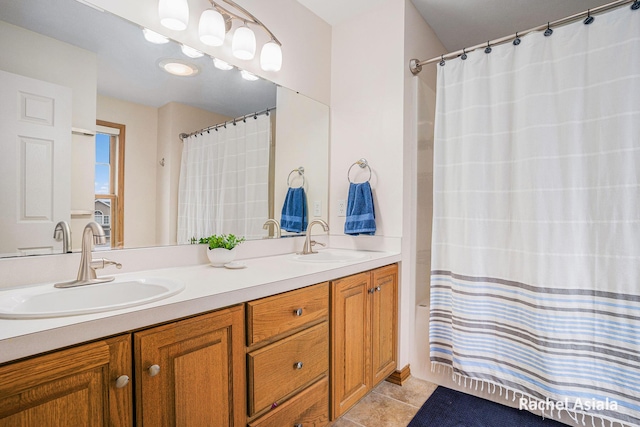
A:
[308,243]
[93,233]
[276,227]
[63,231]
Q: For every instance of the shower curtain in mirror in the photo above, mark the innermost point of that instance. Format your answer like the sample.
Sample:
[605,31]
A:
[535,284]
[224,181]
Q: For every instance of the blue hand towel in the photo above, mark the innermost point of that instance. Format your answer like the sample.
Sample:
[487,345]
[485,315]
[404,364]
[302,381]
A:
[294,211]
[361,216]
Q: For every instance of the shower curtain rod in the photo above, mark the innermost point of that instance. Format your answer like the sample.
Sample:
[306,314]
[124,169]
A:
[415,65]
[255,115]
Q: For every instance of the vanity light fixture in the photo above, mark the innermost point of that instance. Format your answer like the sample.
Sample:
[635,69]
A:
[153,37]
[178,67]
[221,65]
[248,76]
[174,14]
[217,21]
[191,52]
[243,44]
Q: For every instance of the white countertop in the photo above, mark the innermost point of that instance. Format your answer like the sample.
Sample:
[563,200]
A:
[206,288]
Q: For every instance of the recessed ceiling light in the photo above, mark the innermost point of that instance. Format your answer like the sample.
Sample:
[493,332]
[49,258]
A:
[153,37]
[221,65]
[248,76]
[191,52]
[178,67]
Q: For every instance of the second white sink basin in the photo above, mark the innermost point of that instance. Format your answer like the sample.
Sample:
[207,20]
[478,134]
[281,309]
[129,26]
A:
[332,255]
[46,301]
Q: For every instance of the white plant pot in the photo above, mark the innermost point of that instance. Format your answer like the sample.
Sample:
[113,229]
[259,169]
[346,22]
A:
[218,257]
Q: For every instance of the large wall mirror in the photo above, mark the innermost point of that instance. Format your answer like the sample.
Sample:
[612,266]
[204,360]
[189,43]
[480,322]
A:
[78,84]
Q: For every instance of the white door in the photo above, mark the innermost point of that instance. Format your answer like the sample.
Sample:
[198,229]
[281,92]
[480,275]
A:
[35,164]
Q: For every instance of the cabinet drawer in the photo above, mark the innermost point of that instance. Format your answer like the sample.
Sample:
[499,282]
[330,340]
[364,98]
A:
[276,315]
[310,408]
[279,369]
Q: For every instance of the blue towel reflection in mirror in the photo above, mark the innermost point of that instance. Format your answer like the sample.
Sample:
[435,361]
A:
[294,211]
[361,216]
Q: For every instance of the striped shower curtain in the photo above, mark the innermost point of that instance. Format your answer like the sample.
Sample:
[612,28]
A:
[535,284]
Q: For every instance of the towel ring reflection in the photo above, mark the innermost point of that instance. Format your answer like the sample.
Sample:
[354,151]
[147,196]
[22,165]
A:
[300,171]
[363,164]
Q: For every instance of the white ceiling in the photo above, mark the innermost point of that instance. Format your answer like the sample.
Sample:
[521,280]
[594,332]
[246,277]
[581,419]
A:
[465,23]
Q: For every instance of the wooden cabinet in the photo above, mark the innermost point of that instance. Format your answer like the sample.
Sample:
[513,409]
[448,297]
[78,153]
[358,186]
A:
[363,334]
[74,387]
[288,358]
[191,372]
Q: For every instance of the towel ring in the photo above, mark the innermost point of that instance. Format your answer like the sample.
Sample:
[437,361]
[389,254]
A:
[363,164]
[300,171]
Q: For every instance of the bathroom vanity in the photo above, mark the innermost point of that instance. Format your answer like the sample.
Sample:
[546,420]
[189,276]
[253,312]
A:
[299,343]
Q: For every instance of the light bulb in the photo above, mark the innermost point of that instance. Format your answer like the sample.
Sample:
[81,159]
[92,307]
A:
[191,52]
[153,37]
[174,14]
[221,65]
[248,76]
[211,28]
[178,67]
[271,57]
[243,44]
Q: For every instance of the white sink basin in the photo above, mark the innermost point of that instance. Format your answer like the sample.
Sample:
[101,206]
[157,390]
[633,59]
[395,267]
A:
[46,301]
[332,256]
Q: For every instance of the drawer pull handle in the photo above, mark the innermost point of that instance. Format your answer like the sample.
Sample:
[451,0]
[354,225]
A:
[297,312]
[122,381]
[297,365]
[154,370]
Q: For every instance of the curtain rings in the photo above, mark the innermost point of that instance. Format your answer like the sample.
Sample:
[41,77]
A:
[589,18]
[517,40]
[488,49]
[635,5]
[464,55]
[442,62]
[548,31]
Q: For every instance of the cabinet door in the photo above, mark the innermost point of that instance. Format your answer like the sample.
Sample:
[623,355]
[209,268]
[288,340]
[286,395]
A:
[73,387]
[191,372]
[350,331]
[384,315]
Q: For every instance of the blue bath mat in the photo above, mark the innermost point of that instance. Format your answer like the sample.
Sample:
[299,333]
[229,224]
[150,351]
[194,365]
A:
[450,408]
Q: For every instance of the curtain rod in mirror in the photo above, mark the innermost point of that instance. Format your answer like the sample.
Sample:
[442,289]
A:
[255,115]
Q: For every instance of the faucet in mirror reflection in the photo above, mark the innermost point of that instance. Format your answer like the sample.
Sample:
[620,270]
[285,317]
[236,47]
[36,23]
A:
[93,234]
[294,210]
[361,216]
[63,232]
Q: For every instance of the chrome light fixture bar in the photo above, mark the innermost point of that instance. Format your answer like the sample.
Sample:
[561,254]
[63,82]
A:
[217,21]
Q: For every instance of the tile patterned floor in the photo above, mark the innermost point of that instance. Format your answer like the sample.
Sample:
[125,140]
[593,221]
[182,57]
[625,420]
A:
[388,405]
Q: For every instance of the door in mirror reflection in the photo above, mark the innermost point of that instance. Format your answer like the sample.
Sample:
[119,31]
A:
[35,163]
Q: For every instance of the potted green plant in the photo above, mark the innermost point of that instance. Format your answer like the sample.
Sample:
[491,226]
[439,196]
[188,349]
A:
[221,248]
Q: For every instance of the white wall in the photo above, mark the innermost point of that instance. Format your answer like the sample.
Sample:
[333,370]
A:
[305,38]
[174,118]
[141,136]
[302,139]
[366,112]
[34,55]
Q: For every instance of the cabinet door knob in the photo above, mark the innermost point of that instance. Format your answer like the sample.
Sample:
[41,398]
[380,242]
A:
[154,370]
[377,288]
[297,312]
[122,381]
[297,425]
[297,365]
[372,290]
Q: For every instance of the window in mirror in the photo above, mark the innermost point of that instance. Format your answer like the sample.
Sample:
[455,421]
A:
[109,182]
